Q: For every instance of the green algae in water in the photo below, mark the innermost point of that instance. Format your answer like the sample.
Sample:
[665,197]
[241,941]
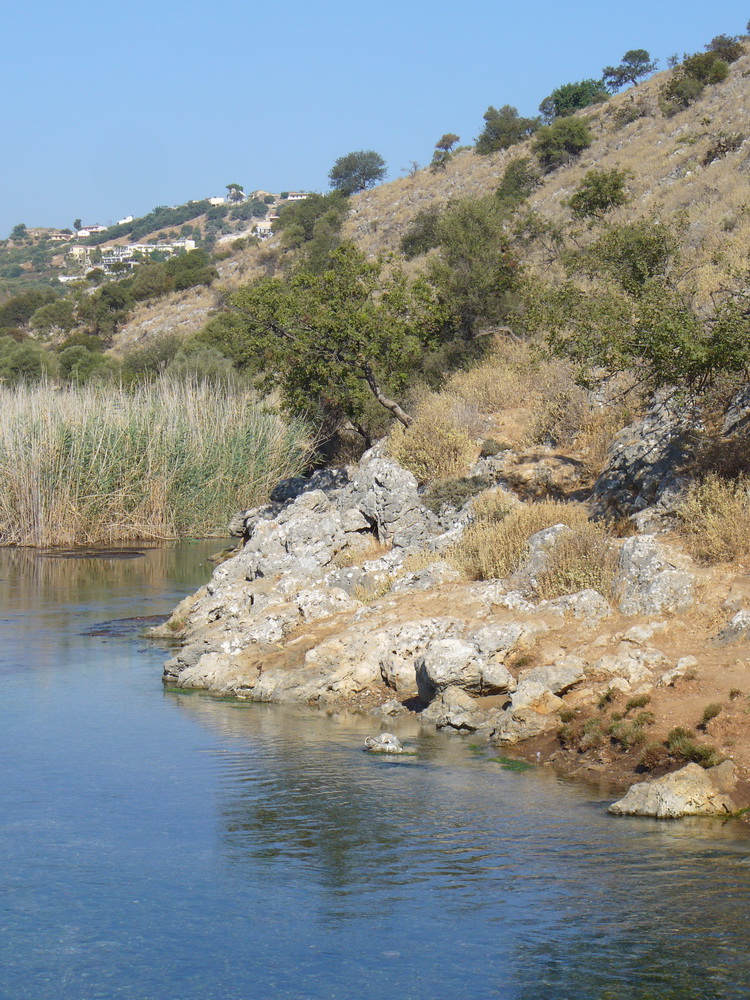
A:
[511,764]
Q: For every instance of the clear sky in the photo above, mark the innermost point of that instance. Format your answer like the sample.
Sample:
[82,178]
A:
[111,107]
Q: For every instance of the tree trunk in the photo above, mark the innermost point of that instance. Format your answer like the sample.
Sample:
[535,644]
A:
[389,404]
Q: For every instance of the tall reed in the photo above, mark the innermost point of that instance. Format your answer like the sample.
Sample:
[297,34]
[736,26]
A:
[96,464]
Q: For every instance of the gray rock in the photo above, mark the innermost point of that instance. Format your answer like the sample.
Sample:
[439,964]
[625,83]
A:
[644,456]
[454,709]
[454,662]
[691,791]
[588,605]
[632,664]
[385,743]
[652,579]
[387,495]
[557,677]
[737,630]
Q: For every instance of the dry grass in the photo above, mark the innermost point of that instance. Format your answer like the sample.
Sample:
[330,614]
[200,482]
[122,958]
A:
[584,560]
[436,446]
[714,520]
[95,465]
[493,547]
[355,555]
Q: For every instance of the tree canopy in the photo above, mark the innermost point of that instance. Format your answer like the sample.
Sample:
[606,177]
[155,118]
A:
[503,128]
[357,171]
[636,64]
[353,332]
[572,97]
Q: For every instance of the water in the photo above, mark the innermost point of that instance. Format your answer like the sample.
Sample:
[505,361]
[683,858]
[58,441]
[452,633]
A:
[156,846]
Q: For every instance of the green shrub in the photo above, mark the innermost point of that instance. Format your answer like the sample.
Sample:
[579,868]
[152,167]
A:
[710,712]
[599,191]
[503,128]
[560,142]
[452,494]
[518,182]
[639,701]
[681,743]
[422,233]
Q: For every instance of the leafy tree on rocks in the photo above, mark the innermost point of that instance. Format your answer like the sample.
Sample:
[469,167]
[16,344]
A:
[625,307]
[636,65]
[357,171]
[558,143]
[235,192]
[599,191]
[572,97]
[503,128]
[726,47]
[354,331]
[442,153]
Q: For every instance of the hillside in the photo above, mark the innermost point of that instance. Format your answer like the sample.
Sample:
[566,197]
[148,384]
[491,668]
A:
[664,157]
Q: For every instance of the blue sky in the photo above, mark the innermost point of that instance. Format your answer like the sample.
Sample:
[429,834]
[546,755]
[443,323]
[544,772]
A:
[111,107]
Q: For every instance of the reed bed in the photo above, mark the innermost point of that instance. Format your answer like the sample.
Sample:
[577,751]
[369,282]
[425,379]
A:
[96,465]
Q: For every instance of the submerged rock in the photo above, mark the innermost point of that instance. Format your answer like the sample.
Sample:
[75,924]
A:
[691,791]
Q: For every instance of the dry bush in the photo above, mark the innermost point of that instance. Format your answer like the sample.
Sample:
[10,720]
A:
[494,545]
[714,519]
[354,555]
[585,560]
[436,446]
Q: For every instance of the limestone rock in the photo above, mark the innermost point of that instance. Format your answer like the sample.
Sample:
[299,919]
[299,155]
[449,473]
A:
[454,709]
[652,579]
[737,630]
[387,495]
[456,662]
[682,666]
[588,605]
[557,677]
[643,457]
[515,726]
[385,743]
[691,791]
[533,695]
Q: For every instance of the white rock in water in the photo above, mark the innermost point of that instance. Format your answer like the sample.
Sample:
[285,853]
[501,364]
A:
[385,743]
[691,791]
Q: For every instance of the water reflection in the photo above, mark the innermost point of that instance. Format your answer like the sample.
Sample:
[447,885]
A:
[583,903]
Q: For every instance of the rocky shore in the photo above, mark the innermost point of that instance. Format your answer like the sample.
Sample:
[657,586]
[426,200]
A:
[342,593]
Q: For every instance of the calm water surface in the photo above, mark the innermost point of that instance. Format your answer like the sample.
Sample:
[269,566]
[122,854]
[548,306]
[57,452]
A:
[156,846]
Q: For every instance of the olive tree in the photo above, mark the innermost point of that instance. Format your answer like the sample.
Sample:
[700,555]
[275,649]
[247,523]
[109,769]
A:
[357,171]
[358,329]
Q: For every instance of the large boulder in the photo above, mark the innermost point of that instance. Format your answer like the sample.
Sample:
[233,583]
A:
[644,457]
[691,791]
[652,578]
[455,662]
[387,496]
[455,711]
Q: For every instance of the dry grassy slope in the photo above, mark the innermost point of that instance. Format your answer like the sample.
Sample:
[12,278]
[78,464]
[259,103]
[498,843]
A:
[662,154]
